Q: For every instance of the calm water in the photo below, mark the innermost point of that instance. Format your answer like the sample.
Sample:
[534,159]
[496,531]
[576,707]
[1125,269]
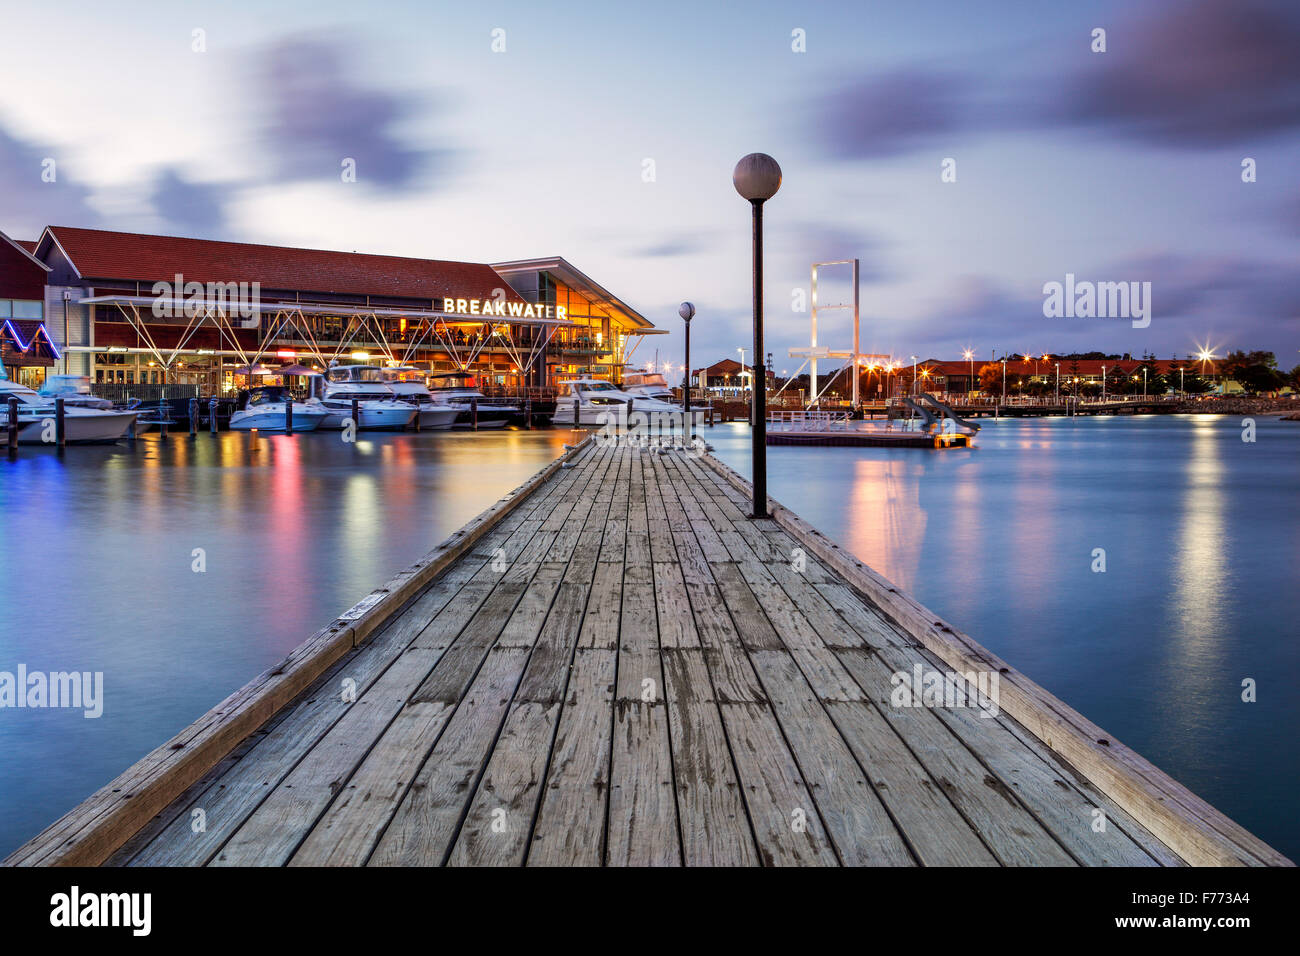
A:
[95,574]
[1202,538]
[1201,532]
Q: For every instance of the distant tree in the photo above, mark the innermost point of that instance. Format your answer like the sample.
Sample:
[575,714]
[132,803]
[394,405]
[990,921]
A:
[991,378]
[1155,381]
[1293,379]
[1254,371]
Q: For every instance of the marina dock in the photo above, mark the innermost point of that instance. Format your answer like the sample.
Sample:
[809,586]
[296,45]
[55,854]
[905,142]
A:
[616,665]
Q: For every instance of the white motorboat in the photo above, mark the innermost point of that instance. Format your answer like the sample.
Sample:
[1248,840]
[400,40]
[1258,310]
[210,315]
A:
[407,383]
[595,401]
[36,423]
[378,407]
[265,409]
[460,390]
[648,384]
[74,390]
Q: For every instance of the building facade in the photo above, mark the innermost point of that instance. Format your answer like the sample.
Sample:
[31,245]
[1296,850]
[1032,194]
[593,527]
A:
[131,309]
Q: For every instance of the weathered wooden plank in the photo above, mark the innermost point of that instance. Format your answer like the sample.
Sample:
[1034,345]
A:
[571,820]
[715,828]
[423,828]
[642,805]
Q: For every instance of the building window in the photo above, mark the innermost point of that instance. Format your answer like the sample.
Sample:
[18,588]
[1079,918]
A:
[23,309]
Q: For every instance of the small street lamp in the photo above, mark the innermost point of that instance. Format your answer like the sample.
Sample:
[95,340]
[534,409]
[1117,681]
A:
[687,311]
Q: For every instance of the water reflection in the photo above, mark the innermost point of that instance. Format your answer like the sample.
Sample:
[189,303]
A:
[294,529]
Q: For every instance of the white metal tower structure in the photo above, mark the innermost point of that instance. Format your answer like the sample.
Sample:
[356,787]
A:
[814,351]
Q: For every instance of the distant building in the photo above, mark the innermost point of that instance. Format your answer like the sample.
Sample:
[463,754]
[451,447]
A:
[26,347]
[126,308]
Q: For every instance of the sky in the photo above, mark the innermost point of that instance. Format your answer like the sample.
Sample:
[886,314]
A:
[607,134]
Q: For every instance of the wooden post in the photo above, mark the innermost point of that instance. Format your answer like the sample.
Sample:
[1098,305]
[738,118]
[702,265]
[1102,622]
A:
[473,413]
[60,431]
[416,420]
[212,414]
[12,425]
[288,412]
[528,413]
[194,417]
[356,413]
[577,412]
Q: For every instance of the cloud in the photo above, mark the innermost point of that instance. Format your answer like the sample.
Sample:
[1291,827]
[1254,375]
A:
[188,208]
[317,115]
[892,113]
[29,203]
[1203,75]
[671,247]
[1197,76]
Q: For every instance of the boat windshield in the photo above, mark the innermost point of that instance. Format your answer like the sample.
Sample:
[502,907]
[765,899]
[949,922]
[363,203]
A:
[351,373]
[66,385]
[598,387]
[266,396]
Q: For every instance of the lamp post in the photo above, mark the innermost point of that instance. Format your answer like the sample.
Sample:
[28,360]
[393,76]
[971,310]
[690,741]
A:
[913,376]
[1058,384]
[969,355]
[757,177]
[1004,380]
[687,311]
[741,376]
[1103,383]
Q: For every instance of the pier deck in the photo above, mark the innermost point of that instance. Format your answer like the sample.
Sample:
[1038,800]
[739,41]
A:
[621,667]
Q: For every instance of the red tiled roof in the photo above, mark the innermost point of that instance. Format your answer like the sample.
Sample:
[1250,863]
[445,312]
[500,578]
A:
[725,367]
[28,244]
[98,254]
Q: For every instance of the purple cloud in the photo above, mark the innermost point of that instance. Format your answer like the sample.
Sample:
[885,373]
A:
[317,116]
[1201,75]
[29,201]
[1207,74]
[188,208]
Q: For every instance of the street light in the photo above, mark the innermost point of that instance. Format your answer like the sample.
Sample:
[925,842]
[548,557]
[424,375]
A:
[1004,380]
[969,355]
[757,177]
[1058,384]
[913,376]
[687,311]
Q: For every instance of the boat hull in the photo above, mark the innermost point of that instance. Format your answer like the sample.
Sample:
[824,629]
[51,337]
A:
[371,417]
[274,421]
[437,419]
[87,429]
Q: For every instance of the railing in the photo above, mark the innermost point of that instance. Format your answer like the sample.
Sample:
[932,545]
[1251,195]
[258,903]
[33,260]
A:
[813,420]
[122,392]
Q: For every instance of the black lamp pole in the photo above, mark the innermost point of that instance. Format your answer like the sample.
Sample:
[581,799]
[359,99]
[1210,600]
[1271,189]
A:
[759,391]
[757,177]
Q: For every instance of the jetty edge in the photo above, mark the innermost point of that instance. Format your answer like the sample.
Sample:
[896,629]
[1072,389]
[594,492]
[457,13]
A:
[92,831]
[1198,832]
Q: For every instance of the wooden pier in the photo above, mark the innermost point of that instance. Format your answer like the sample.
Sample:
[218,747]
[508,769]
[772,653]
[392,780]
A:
[616,665]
